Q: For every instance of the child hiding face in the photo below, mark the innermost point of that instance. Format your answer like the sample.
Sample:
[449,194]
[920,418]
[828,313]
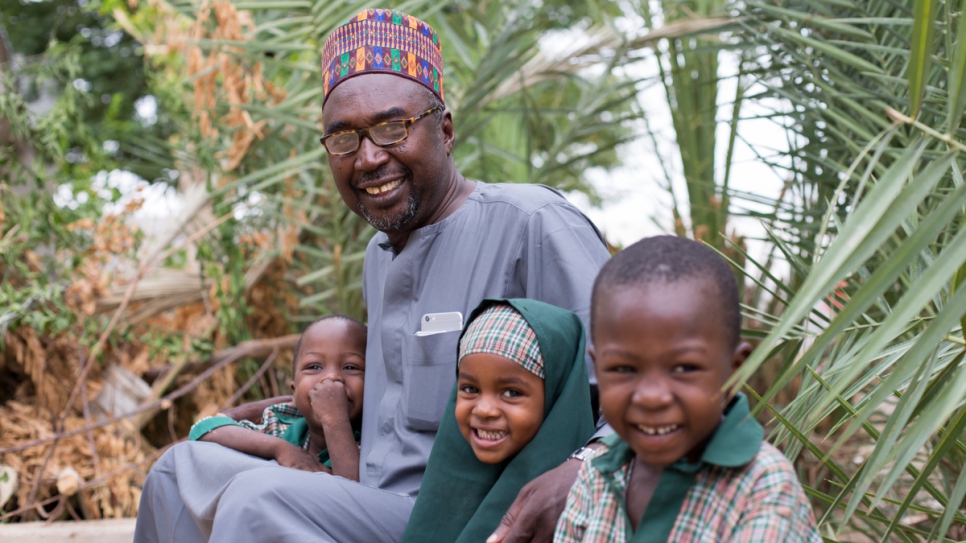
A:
[315,431]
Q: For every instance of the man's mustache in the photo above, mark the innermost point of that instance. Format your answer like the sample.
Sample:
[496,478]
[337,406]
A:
[381,174]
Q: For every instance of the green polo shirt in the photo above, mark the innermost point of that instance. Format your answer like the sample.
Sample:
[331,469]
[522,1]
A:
[735,443]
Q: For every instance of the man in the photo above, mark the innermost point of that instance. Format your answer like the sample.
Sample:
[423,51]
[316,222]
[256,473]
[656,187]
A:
[445,243]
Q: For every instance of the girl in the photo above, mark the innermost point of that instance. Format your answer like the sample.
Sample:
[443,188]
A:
[520,406]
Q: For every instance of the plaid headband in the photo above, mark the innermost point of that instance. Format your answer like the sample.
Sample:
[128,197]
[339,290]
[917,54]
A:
[383,40]
[502,331]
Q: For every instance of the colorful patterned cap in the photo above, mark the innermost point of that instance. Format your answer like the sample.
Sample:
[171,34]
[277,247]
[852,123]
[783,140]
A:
[383,40]
[502,331]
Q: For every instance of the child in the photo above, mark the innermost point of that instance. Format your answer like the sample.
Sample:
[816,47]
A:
[520,406]
[687,463]
[316,429]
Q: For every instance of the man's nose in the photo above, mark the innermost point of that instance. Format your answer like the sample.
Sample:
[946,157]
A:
[370,156]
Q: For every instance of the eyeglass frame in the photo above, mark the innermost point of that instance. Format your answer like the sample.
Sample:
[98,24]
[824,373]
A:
[365,132]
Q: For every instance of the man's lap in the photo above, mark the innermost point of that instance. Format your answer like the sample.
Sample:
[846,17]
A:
[236,497]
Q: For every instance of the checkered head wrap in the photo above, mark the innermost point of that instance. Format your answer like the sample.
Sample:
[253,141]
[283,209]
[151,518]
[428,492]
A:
[383,41]
[502,331]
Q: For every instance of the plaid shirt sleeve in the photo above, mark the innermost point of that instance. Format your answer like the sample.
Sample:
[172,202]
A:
[594,512]
[580,500]
[271,424]
[780,509]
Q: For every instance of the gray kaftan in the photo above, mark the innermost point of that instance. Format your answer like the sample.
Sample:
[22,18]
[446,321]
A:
[505,241]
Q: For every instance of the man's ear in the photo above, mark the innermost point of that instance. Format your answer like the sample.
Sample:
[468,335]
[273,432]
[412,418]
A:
[449,133]
[292,385]
[742,352]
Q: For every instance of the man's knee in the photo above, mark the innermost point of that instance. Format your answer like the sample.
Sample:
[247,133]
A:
[165,464]
[161,477]
[251,490]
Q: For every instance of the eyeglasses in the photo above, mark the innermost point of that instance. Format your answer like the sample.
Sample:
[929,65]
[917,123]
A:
[385,134]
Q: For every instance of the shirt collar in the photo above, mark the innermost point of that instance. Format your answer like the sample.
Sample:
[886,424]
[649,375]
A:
[429,229]
[386,246]
[735,443]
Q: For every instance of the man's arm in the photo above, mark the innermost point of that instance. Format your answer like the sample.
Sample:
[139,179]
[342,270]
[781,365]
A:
[580,506]
[264,446]
[253,410]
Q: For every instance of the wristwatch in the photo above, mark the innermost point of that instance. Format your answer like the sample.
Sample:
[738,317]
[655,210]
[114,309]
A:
[584,453]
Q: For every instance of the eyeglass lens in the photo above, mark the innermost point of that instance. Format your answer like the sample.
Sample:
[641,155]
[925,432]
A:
[382,134]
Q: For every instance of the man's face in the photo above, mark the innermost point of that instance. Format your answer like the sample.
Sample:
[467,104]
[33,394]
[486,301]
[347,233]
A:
[662,357]
[397,188]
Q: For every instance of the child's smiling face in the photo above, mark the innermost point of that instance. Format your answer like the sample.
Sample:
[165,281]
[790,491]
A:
[332,349]
[662,355]
[499,405]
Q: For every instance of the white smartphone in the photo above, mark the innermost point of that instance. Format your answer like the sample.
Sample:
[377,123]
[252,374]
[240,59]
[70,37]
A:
[435,323]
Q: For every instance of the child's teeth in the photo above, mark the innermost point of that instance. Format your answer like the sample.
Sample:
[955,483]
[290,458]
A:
[657,430]
[490,436]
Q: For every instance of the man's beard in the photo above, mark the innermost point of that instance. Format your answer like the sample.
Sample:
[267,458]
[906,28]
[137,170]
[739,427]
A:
[395,222]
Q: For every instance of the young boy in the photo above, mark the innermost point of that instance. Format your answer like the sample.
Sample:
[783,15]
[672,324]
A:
[315,431]
[686,462]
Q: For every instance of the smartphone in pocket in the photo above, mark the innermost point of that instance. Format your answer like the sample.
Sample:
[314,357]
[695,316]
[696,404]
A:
[437,323]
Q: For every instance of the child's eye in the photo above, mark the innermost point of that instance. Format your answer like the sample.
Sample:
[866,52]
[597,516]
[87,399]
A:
[314,367]
[512,393]
[351,367]
[685,368]
[622,369]
[469,389]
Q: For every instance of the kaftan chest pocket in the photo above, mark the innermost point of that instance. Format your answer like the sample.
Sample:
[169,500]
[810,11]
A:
[428,378]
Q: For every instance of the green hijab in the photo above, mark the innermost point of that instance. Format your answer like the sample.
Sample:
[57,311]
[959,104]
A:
[462,499]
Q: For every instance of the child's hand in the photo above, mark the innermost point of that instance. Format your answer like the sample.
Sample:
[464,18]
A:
[292,456]
[329,401]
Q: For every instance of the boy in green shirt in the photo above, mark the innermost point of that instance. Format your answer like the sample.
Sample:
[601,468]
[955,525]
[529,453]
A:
[687,463]
[317,431]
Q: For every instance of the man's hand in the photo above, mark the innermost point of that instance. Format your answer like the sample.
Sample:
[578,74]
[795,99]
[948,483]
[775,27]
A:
[253,410]
[533,515]
[292,456]
[329,401]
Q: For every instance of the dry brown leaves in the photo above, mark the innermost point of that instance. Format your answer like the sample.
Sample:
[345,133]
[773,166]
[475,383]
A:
[50,364]
[271,299]
[241,81]
[119,498]
[113,241]
[90,283]
[47,368]
[193,321]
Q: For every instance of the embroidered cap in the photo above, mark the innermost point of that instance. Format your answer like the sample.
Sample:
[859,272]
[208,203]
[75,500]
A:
[502,331]
[383,40]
